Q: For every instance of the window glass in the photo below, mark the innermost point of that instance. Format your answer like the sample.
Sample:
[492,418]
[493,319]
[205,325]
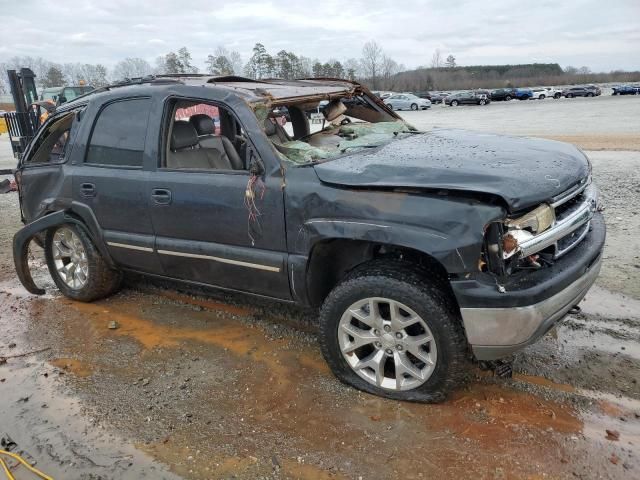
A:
[119,134]
[51,146]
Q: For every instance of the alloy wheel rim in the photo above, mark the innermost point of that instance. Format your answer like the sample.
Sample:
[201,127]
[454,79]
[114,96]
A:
[70,258]
[387,344]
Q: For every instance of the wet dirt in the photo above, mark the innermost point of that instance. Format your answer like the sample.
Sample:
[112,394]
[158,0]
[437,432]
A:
[223,386]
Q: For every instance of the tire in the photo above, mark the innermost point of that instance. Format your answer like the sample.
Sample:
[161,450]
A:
[99,279]
[569,95]
[589,94]
[410,288]
[557,96]
[542,97]
[454,103]
[390,106]
[414,106]
[482,102]
[507,98]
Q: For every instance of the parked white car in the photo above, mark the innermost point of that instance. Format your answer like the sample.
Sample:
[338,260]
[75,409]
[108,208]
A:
[545,92]
[407,101]
[539,94]
[554,92]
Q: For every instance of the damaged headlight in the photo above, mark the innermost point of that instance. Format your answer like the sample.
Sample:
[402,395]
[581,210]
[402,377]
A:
[503,239]
[536,221]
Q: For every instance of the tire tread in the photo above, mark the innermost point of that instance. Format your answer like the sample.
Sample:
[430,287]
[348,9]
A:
[379,273]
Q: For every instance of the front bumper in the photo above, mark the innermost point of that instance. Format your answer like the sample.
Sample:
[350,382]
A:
[499,324]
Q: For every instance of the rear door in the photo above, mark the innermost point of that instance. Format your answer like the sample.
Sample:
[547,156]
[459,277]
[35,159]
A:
[110,181]
[42,174]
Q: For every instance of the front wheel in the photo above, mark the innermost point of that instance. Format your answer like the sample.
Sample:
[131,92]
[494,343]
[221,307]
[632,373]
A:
[589,94]
[557,96]
[388,331]
[390,106]
[454,103]
[482,102]
[414,106]
[541,97]
[76,266]
[507,98]
[570,95]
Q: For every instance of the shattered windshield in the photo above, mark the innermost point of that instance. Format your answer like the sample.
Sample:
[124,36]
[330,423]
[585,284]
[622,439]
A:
[322,130]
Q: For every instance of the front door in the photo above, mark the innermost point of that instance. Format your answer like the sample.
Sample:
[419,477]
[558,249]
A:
[207,229]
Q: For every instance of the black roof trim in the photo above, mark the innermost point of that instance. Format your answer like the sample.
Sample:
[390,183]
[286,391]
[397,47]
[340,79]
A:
[234,78]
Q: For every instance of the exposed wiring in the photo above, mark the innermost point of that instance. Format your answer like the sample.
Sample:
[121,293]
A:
[17,457]
[255,188]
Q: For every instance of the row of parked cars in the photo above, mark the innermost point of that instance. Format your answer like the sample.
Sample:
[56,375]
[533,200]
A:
[626,90]
[424,100]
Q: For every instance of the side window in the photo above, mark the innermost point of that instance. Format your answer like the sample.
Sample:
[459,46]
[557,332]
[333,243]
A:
[203,136]
[119,133]
[52,145]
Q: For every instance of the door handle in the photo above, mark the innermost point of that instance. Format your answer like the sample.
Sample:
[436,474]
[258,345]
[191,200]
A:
[88,190]
[161,196]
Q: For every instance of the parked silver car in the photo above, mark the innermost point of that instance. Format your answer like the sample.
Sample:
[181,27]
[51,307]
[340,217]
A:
[407,101]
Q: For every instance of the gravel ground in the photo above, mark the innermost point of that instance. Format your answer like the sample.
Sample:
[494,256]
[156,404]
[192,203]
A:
[223,386]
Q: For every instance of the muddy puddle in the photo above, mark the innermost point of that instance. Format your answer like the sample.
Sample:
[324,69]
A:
[210,388]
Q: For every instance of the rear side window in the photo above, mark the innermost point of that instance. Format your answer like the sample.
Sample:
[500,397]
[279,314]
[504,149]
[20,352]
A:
[52,143]
[119,134]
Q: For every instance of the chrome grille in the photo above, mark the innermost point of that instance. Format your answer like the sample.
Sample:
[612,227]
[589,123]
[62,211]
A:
[573,215]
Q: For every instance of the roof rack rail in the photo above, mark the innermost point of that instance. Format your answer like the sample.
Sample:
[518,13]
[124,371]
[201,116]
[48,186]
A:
[152,79]
[183,75]
[234,78]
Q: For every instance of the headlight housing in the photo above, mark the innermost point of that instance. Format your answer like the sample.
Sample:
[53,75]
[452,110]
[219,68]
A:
[503,239]
[536,221]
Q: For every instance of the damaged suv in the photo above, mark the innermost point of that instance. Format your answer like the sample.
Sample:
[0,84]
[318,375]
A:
[419,248]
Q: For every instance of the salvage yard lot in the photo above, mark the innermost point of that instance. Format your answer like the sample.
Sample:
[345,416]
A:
[225,386]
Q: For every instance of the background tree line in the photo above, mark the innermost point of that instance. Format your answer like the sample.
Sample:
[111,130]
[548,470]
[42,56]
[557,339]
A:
[373,67]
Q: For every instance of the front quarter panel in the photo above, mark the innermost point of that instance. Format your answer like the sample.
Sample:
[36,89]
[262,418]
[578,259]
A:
[450,229]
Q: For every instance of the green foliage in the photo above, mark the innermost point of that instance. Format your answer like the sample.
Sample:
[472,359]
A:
[54,78]
[179,62]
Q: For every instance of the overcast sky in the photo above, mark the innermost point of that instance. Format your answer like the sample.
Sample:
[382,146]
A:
[601,35]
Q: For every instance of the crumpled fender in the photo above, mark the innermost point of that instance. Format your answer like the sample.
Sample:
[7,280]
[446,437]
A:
[23,237]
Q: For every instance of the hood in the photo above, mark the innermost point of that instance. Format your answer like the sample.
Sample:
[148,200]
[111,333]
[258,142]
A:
[522,171]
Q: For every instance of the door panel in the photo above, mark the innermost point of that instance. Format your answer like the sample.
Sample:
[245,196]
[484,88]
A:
[121,207]
[201,226]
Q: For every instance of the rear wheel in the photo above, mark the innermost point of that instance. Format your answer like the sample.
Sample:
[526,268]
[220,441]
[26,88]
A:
[569,95]
[557,96]
[387,330]
[542,97]
[507,98]
[390,106]
[589,94]
[76,266]
[482,102]
[414,106]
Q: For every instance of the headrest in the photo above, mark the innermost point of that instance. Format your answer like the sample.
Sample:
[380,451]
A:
[183,135]
[334,109]
[203,123]
[270,127]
